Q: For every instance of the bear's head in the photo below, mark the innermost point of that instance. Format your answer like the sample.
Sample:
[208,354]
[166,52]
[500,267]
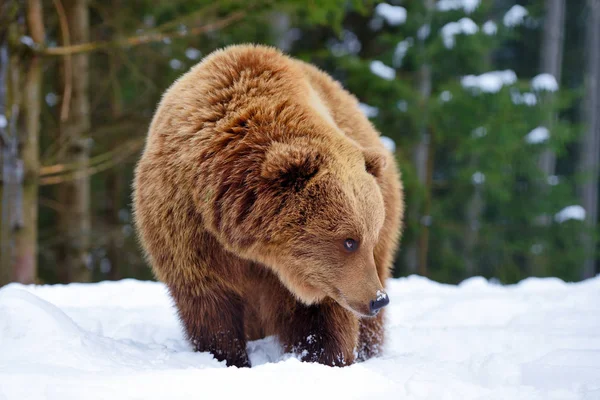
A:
[331,212]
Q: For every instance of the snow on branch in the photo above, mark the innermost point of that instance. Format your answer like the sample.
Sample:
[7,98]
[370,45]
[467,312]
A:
[393,15]
[489,28]
[515,16]
[538,135]
[575,212]
[544,82]
[383,71]
[467,6]
[464,26]
[490,82]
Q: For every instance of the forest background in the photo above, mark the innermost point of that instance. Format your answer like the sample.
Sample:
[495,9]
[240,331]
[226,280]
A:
[490,106]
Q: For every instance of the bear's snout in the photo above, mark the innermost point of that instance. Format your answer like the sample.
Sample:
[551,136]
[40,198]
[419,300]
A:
[378,303]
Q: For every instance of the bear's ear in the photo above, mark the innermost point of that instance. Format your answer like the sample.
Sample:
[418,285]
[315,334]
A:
[290,165]
[375,161]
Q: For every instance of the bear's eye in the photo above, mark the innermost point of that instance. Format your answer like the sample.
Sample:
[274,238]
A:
[350,245]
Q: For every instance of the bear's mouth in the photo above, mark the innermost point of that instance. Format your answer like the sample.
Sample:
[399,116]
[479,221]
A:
[368,309]
[358,309]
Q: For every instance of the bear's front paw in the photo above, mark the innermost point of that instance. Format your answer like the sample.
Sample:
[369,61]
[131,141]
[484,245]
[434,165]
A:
[240,360]
[323,350]
[233,352]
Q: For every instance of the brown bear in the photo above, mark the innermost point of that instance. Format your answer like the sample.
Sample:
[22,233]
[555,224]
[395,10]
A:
[267,204]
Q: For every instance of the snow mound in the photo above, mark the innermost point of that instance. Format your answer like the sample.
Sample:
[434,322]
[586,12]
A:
[535,340]
[490,82]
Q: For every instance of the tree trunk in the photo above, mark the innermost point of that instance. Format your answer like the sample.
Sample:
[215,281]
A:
[114,180]
[25,267]
[12,166]
[74,220]
[416,253]
[551,63]
[589,158]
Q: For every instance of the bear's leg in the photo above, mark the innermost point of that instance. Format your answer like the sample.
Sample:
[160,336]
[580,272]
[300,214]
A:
[370,338]
[214,322]
[325,333]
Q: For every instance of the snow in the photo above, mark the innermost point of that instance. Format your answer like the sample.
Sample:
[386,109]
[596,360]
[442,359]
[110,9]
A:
[400,51]
[545,82]
[479,132]
[368,110]
[538,135]
[514,16]
[489,28]
[27,41]
[349,44]
[553,180]
[464,26]
[571,212]
[535,340]
[193,54]
[175,64]
[402,105]
[394,15]
[388,143]
[478,178]
[489,82]
[424,31]
[467,6]
[445,96]
[51,99]
[383,71]
[526,98]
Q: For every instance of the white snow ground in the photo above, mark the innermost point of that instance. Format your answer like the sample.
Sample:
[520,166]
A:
[539,339]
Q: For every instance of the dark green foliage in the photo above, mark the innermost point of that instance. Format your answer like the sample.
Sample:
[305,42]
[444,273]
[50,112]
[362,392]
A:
[480,155]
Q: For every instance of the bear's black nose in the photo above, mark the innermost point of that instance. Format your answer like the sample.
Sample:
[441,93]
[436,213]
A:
[381,301]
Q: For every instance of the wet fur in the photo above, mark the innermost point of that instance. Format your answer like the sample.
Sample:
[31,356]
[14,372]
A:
[243,168]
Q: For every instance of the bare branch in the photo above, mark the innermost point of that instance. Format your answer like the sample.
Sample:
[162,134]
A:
[107,163]
[113,153]
[139,40]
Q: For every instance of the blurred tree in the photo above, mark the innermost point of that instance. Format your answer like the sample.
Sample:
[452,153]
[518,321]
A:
[25,263]
[487,127]
[450,81]
[589,163]
[74,219]
[10,190]
[551,63]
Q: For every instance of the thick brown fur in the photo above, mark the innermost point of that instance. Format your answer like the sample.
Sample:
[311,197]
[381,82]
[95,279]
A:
[256,169]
